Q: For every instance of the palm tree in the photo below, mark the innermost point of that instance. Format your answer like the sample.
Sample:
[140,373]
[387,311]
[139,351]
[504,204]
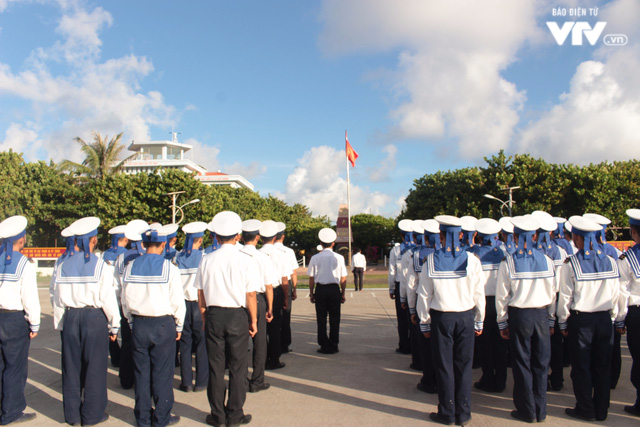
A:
[101,157]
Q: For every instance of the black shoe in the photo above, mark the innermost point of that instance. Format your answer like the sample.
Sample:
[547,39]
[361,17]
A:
[499,388]
[402,351]
[286,350]
[274,366]
[256,388]
[556,387]
[174,419]
[488,388]
[246,419]
[326,350]
[632,409]
[574,413]
[199,388]
[522,417]
[435,417]
[104,418]
[211,422]
[415,367]
[183,387]
[430,389]
[465,422]
[23,418]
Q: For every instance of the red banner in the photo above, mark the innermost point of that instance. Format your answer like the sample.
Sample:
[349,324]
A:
[53,253]
[621,245]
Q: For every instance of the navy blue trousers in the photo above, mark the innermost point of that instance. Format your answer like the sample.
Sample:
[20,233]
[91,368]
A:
[328,302]
[85,351]
[414,342]
[403,324]
[192,339]
[285,336]
[274,328]
[530,343]
[492,349]
[591,341]
[426,359]
[14,346]
[125,373]
[260,344]
[154,347]
[633,341]
[452,341]
[556,364]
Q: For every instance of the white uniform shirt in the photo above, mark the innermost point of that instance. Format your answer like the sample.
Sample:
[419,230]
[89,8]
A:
[403,273]
[226,275]
[359,261]
[188,277]
[19,291]
[292,261]
[268,273]
[629,284]
[327,267]
[280,261]
[394,254]
[524,292]
[97,291]
[451,294]
[587,295]
[153,298]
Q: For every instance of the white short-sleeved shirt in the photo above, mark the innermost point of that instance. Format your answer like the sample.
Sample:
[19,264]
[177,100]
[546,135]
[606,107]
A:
[359,261]
[280,262]
[327,267]
[267,270]
[19,291]
[226,275]
[292,261]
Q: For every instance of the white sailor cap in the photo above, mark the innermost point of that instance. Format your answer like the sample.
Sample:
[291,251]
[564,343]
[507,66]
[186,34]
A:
[66,233]
[13,226]
[468,222]
[172,230]
[327,235]
[118,230]
[157,235]
[226,224]
[405,225]
[505,223]
[281,226]
[487,226]
[448,221]
[194,228]
[524,224]
[431,226]
[268,229]
[581,225]
[251,225]
[598,219]
[417,227]
[319,248]
[559,219]
[547,222]
[134,229]
[85,226]
[634,216]
[568,226]
[155,226]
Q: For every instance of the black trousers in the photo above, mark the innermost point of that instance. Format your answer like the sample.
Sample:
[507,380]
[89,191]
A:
[530,345]
[492,349]
[426,359]
[616,359]
[125,372]
[414,343]
[274,329]
[556,364]
[14,354]
[85,354]
[591,341]
[403,322]
[260,344]
[154,352]
[633,341]
[358,277]
[192,338]
[452,341]
[328,302]
[285,336]
[227,336]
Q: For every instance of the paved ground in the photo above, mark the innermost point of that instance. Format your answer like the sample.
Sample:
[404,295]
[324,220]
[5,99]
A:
[367,383]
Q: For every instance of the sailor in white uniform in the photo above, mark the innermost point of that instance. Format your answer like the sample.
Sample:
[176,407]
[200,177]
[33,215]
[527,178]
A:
[188,260]
[227,282]
[395,256]
[153,303]
[629,266]
[19,318]
[269,276]
[118,246]
[587,306]
[451,307]
[285,341]
[525,303]
[86,311]
[404,272]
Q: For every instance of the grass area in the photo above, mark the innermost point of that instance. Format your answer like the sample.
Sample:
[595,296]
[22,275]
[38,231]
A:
[371,280]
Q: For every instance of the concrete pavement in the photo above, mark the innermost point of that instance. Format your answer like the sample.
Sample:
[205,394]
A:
[367,383]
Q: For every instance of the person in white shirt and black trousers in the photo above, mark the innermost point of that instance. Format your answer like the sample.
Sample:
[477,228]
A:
[358,266]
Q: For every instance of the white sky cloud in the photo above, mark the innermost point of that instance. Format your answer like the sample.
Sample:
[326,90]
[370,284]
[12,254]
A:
[386,166]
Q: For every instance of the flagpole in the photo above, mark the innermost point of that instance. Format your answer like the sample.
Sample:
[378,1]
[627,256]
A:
[348,207]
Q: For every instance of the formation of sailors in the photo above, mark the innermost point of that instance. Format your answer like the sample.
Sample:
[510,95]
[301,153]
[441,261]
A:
[161,301]
[529,291]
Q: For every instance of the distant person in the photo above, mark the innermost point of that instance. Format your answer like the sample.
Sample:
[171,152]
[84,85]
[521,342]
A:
[327,286]
[358,266]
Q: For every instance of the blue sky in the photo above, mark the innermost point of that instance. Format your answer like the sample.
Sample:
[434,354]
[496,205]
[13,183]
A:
[267,89]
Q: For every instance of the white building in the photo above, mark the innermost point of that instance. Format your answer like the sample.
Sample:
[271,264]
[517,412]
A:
[152,155]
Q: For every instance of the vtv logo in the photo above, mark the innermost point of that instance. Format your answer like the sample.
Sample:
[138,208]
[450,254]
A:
[576,29]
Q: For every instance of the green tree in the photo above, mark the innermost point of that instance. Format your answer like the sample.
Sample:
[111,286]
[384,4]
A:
[372,233]
[102,158]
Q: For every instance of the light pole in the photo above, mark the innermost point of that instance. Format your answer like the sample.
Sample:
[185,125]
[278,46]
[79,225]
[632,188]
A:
[173,206]
[509,203]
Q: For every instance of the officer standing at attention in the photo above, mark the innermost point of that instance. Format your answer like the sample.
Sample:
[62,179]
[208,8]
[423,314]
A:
[118,246]
[290,255]
[358,266]
[451,306]
[587,305]
[395,255]
[268,232]
[188,261]
[227,282]
[629,265]
[268,276]
[327,287]
[525,302]
[406,267]
[86,310]
[153,303]
[19,318]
